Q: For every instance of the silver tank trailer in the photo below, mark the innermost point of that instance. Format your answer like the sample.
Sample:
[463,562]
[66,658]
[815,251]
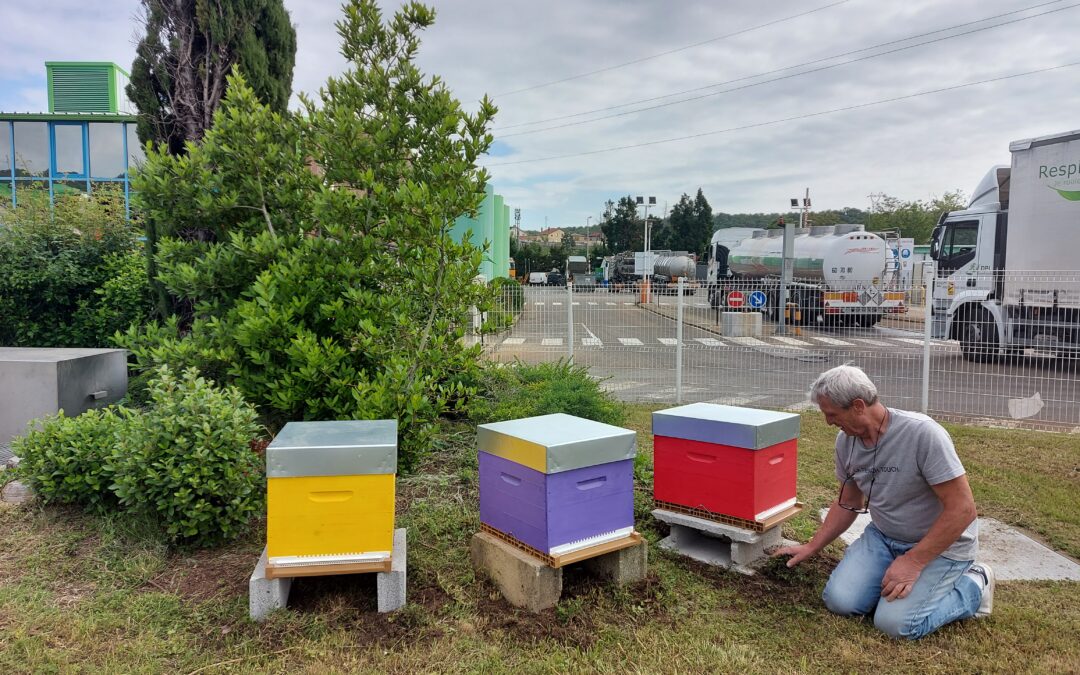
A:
[675,266]
[841,256]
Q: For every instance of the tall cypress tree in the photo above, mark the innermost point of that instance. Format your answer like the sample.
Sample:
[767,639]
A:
[188,49]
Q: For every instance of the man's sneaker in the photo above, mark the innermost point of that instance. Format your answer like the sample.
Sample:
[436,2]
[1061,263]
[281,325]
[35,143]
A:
[983,575]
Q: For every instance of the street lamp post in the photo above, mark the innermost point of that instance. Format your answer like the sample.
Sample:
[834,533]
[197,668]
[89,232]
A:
[647,245]
[588,219]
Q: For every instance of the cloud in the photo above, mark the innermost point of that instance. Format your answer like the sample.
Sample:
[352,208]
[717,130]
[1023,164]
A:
[911,148]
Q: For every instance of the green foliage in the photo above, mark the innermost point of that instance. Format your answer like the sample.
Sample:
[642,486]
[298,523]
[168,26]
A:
[71,275]
[65,460]
[311,254]
[622,229]
[187,460]
[915,218]
[505,305]
[185,53]
[521,390]
[691,223]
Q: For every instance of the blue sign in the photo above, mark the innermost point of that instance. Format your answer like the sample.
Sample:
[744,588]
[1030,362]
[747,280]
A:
[905,253]
[757,299]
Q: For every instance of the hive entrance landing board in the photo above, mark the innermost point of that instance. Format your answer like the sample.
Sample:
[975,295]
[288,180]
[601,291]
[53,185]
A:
[753,525]
[564,559]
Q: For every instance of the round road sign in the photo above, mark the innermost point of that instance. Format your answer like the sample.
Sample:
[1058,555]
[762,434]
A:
[735,299]
[757,299]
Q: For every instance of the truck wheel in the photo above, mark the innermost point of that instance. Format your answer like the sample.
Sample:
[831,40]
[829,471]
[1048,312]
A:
[978,337]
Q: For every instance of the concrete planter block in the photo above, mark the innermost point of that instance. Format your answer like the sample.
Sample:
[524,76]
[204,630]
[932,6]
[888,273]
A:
[740,324]
[390,586]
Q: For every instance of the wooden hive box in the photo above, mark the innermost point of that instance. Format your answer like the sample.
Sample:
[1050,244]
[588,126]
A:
[557,483]
[330,493]
[739,462]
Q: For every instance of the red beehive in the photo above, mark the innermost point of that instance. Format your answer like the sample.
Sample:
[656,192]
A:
[727,460]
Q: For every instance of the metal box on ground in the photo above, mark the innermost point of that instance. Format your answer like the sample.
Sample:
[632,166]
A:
[35,382]
[557,483]
[330,493]
[739,462]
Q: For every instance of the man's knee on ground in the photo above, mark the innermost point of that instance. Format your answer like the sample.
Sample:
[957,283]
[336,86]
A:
[844,601]
[895,624]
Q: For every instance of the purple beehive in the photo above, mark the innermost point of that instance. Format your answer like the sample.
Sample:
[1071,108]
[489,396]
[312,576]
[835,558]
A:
[557,483]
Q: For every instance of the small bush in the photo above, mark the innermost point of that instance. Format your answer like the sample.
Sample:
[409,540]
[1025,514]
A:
[188,460]
[521,390]
[65,460]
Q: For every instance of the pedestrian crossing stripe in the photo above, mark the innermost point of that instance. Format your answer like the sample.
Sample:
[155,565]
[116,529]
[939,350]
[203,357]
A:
[709,342]
[630,342]
[610,304]
[790,341]
[551,342]
[876,343]
[830,341]
[591,304]
[670,342]
[592,342]
[514,341]
[910,341]
[748,341]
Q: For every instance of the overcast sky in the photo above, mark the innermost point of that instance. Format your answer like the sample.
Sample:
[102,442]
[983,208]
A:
[742,153]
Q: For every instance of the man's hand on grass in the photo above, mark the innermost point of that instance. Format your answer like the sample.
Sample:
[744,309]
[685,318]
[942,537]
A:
[798,553]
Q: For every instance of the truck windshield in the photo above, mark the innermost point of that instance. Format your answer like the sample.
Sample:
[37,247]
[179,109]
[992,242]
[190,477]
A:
[956,245]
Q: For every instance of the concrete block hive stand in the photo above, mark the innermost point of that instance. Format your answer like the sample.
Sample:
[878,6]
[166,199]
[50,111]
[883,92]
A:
[555,490]
[330,510]
[724,481]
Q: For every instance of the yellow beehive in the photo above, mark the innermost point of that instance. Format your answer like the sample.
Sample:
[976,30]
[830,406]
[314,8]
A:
[330,493]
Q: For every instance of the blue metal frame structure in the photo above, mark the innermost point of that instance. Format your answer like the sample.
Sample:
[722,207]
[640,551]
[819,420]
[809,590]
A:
[87,176]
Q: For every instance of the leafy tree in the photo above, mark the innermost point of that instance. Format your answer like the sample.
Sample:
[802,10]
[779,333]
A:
[621,227]
[186,53]
[315,249]
[915,218]
[567,241]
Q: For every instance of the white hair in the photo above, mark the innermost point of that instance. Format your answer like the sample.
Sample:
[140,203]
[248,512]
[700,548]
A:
[842,385]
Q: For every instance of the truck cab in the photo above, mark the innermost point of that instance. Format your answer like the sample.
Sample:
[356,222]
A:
[968,250]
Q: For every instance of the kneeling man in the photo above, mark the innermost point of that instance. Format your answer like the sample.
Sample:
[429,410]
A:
[912,568]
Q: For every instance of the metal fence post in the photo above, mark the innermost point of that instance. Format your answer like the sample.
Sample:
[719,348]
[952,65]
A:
[570,321]
[928,322]
[678,340]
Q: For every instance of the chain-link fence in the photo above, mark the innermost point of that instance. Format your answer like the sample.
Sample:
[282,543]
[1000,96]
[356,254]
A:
[737,343]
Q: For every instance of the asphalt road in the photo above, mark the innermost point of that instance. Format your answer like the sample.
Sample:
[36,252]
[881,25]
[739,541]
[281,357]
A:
[632,348]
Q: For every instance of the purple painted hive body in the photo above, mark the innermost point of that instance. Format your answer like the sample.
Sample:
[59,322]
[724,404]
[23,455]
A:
[558,483]
[558,511]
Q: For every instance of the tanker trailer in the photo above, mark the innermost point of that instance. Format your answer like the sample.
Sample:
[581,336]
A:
[838,277]
[668,268]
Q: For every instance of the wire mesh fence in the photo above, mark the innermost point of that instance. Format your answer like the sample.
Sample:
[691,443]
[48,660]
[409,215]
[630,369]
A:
[737,343]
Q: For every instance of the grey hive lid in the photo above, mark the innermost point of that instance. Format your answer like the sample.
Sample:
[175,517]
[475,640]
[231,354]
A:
[344,448]
[726,425]
[556,443]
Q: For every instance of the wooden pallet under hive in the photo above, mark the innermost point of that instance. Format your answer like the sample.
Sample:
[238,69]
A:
[753,525]
[564,559]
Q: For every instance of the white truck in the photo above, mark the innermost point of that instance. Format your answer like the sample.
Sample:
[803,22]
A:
[842,274]
[1008,266]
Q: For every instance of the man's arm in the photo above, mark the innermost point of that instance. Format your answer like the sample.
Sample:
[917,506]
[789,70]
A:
[957,513]
[836,523]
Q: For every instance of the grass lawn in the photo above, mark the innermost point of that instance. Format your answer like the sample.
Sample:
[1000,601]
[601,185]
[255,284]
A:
[83,593]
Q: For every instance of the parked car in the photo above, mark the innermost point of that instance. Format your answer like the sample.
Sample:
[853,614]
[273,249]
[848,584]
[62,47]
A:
[537,278]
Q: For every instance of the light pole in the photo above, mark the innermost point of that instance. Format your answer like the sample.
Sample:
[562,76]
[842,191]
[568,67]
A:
[646,202]
[588,219]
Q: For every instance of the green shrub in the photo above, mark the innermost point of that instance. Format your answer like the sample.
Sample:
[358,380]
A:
[188,460]
[66,460]
[70,273]
[506,303]
[520,390]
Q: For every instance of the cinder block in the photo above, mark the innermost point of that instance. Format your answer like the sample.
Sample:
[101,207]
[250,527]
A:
[718,544]
[391,585]
[624,566]
[266,595]
[522,579]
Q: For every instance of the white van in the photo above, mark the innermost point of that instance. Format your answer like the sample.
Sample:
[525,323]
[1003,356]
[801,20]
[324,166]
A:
[537,278]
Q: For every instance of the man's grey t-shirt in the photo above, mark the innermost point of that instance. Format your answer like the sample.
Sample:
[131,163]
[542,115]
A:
[914,453]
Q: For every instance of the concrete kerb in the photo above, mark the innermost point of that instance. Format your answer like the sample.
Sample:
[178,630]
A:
[529,583]
[266,595]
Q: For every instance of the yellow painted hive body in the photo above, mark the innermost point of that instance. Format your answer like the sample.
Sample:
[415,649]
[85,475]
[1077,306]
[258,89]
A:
[329,515]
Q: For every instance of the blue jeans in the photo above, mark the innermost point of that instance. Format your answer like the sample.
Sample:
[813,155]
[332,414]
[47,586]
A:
[941,594]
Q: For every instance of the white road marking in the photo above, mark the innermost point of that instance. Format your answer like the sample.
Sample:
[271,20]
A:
[910,341]
[748,341]
[610,304]
[592,342]
[830,341]
[591,304]
[876,343]
[709,342]
[790,341]
[670,342]
[630,342]
[513,341]
[551,342]
[539,304]
[557,304]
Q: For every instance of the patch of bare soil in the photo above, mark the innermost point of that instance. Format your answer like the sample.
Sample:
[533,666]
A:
[203,575]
